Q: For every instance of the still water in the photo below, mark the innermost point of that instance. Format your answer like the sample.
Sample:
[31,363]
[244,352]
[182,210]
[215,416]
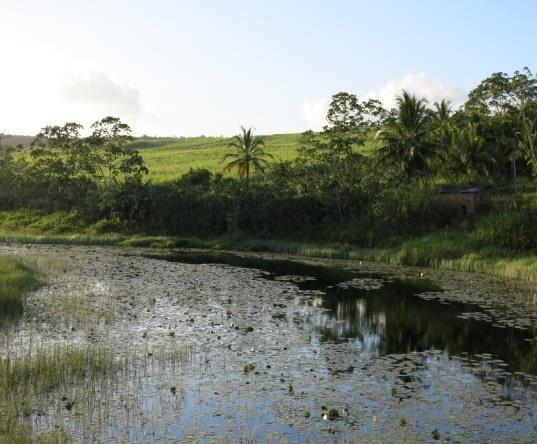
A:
[235,348]
[383,314]
[396,366]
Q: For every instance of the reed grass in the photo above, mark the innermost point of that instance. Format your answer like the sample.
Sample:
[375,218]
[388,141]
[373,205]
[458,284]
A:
[455,251]
[29,375]
[16,278]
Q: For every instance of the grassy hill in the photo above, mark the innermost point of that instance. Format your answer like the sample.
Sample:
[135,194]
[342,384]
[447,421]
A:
[167,159]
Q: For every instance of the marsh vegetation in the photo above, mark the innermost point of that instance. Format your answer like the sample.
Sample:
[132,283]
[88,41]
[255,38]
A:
[130,344]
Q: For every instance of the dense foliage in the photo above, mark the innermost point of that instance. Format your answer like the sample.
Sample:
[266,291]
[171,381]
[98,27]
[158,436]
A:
[331,191]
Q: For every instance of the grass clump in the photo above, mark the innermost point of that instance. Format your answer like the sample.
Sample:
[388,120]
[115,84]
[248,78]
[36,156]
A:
[16,278]
[28,378]
[44,370]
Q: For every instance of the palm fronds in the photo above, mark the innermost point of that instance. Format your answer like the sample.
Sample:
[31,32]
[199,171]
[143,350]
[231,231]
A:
[249,152]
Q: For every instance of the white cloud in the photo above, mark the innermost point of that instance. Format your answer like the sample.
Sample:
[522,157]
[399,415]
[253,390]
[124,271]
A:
[98,90]
[420,85]
[315,113]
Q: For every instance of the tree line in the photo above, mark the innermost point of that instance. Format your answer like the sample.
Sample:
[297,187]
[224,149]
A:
[369,175]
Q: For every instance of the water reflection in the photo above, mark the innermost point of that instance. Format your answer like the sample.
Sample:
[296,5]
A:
[393,320]
[389,318]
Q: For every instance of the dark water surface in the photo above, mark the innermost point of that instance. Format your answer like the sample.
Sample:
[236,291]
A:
[388,317]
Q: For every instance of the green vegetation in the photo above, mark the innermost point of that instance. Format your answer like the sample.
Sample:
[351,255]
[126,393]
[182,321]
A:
[454,248]
[27,377]
[16,278]
[365,187]
[248,154]
[168,159]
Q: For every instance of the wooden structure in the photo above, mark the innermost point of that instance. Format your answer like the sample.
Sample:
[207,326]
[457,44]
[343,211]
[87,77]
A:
[466,199]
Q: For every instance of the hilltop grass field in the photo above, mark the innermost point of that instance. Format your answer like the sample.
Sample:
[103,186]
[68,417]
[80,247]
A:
[168,159]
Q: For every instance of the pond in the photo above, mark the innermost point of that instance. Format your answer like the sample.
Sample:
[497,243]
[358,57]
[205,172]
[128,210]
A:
[382,315]
[229,347]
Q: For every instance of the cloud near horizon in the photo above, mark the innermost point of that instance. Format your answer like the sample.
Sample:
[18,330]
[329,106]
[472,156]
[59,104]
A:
[314,112]
[420,85]
[98,90]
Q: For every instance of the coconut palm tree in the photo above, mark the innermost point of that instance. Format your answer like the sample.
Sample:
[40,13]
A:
[406,145]
[248,153]
[469,152]
[527,141]
[442,112]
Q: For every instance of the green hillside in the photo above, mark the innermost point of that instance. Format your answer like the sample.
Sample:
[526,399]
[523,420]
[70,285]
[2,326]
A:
[167,159]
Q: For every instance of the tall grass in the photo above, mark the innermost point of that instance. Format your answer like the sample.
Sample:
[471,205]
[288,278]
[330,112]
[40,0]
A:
[449,250]
[16,278]
[169,158]
[28,376]
[44,370]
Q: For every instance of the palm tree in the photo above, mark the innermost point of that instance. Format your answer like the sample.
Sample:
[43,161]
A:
[406,144]
[442,112]
[248,153]
[469,153]
[528,142]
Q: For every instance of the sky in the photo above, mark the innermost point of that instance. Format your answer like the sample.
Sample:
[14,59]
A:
[185,68]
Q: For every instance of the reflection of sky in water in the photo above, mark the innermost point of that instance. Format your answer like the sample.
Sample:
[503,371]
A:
[382,353]
[382,315]
[430,390]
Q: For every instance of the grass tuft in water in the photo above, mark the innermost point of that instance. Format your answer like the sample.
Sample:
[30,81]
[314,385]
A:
[16,278]
[27,377]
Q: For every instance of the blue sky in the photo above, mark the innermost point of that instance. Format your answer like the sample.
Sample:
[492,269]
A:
[207,67]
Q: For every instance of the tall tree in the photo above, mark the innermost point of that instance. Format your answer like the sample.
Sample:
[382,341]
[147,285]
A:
[113,158]
[248,154]
[500,102]
[349,125]
[468,153]
[329,165]
[442,113]
[61,161]
[527,138]
[406,145]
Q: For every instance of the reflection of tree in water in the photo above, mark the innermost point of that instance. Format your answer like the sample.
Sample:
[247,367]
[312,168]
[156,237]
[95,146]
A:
[391,320]
[351,319]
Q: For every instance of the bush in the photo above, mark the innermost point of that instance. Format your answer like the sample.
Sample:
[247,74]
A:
[512,226]
[114,225]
